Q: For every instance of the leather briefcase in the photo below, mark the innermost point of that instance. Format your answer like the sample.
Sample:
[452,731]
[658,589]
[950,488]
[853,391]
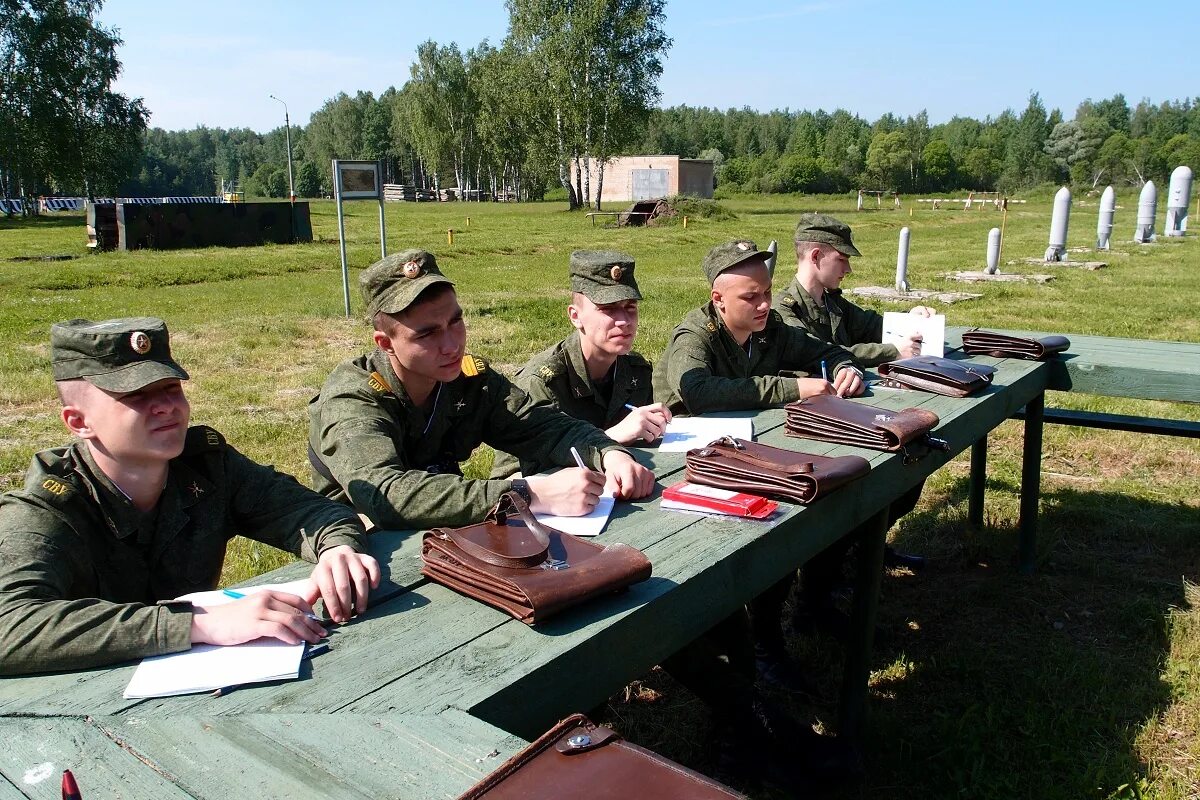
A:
[830,418]
[577,759]
[978,342]
[746,466]
[517,564]
[942,376]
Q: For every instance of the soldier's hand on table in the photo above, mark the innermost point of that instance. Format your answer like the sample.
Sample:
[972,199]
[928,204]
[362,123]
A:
[344,578]
[628,479]
[643,424]
[277,615]
[811,387]
[911,346]
[848,382]
[570,492]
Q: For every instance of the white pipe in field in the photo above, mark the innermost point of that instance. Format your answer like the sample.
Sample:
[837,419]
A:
[902,262]
[1147,210]
[993,252]
[1059,221]
[1179,197]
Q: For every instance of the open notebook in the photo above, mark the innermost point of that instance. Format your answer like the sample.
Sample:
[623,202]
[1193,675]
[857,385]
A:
[207,666]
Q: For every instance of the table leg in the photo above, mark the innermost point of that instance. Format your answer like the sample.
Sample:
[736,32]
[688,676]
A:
[868,571]
[1031,482]
[978,483]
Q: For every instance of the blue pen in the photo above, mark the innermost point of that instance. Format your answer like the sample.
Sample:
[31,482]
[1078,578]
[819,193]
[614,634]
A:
[239,595]
[631,407]
[824,372]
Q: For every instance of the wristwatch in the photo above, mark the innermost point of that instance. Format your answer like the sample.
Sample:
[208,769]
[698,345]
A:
[521,487]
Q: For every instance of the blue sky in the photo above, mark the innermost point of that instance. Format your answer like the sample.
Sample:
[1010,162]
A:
[215,62]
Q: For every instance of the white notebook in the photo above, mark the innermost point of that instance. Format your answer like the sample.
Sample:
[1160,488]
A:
[206,667]
[898,327]
[684,433]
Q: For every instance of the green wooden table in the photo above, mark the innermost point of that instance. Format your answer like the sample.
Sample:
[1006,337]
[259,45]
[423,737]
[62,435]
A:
[428,691]
[1099,365]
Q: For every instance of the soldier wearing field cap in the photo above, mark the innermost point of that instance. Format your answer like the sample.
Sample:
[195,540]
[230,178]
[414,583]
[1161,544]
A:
[389,429]
[730,353]
[593,374]
[139,510]
[814,300]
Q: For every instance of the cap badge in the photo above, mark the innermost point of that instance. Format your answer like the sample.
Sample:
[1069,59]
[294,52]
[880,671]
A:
[744,245]
[140,342]
[616,272]
[411,269]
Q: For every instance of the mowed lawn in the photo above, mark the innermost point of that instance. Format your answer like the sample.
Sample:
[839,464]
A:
[1082,680]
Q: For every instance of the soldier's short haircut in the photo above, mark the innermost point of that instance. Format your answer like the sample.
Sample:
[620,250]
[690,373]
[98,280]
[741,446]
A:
[70,392]
[803,247]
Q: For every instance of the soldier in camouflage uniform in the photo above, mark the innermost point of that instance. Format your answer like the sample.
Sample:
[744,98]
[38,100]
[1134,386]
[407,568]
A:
[730,353]
[388,430]
[814,300]
[140,510]
[594,374]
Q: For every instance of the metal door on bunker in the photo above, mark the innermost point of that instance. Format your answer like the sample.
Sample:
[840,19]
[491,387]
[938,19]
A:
[649,183]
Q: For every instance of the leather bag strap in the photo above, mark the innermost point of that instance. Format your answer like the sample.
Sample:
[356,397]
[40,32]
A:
[496,525]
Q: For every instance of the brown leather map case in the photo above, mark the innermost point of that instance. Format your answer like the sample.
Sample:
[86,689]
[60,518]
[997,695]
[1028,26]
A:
[517,564]
[978,342]
[830,418]
[943,376]
[746,466]
[577,759]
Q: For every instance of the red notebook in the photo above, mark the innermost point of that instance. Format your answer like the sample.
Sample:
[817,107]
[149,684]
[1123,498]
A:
[685,496]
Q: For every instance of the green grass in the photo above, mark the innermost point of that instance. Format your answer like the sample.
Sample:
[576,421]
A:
[1080,681]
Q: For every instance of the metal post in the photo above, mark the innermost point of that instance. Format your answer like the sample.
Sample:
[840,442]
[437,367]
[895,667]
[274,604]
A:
[1031,482]
[287,132]
[382,229]
[978,483]
[857,671]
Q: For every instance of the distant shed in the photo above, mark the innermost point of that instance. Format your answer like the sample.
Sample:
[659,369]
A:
[629,178]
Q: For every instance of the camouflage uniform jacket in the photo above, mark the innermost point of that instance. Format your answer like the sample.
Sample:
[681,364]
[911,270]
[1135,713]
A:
[707,370]
[400,468]
[558,376]
[839,321]
[81,568]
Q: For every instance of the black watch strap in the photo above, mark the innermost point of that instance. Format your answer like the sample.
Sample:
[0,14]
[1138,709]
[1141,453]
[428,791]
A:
[521,487]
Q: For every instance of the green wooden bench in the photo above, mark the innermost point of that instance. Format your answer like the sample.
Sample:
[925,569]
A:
[429,690]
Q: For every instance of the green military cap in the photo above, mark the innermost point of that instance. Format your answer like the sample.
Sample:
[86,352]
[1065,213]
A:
[117,355]
[731,254]
[826,230]
[392,284]
[604,276]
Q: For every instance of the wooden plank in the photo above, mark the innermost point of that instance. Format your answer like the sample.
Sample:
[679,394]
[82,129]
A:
[37,750]
[304,755]
[1116,367]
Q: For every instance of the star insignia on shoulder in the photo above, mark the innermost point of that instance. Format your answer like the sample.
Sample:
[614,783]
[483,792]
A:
[460,405]
[195,489]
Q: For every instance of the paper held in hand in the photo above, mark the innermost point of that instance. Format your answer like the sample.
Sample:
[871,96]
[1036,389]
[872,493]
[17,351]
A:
[207,666]
[898,327]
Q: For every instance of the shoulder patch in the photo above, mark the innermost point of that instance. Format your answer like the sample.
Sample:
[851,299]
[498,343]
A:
[55,487]
[789,301]
[201,439]
[711,326]
[547,372]
[473,365]
[377,384]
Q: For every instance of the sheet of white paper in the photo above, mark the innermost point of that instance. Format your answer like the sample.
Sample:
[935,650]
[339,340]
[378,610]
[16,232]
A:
[684,433]
[591,525]
[206,666]
[899,326]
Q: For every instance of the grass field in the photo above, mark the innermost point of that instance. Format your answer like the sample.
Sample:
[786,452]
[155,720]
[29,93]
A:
[1080,681]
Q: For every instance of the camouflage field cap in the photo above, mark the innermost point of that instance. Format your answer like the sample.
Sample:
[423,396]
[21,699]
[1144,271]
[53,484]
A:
[604,276]
[731,254]
[392,284]
[117,355]
[826,230]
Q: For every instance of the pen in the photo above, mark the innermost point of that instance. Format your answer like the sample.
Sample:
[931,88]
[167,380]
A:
[578,459]
[824,371]
[70,789]
[239,595]
[631,407]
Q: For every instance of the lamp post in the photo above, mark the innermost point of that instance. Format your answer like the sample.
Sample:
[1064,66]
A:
[287,132]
